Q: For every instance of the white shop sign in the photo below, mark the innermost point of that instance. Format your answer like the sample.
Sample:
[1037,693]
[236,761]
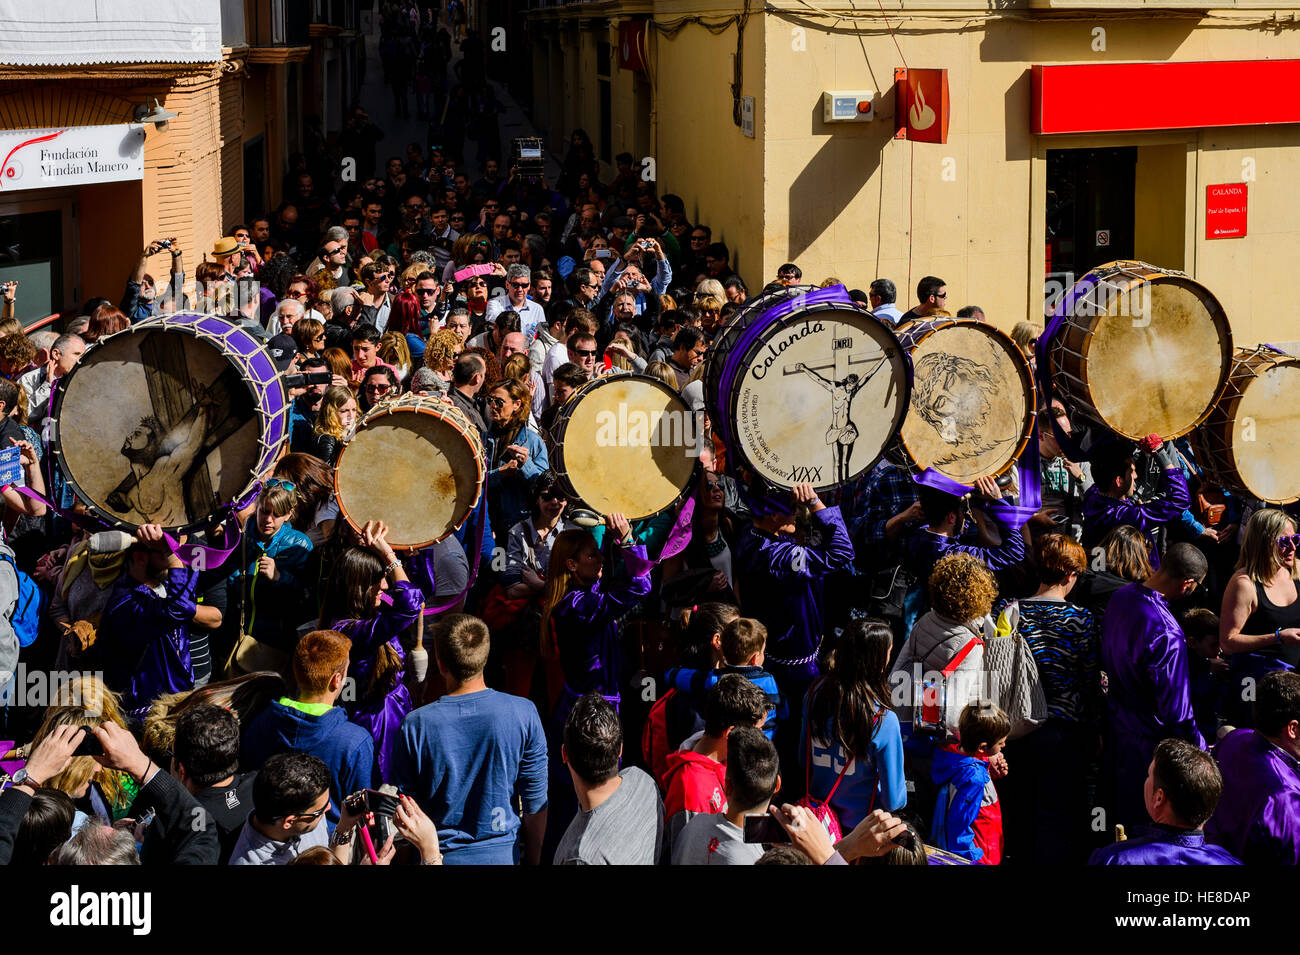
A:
[73,156]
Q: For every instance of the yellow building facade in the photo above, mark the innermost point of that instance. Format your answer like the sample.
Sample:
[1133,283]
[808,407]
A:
[998,211]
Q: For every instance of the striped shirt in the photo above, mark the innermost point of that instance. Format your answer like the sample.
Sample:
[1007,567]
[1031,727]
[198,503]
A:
[1065,641]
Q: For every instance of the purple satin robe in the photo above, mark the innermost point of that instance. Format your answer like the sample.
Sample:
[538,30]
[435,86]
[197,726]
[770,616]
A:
[1144,655]
[381,715]
[148,638]
[586,624]
[1163,846]
[1102,513]
[1258,817]
[782,584]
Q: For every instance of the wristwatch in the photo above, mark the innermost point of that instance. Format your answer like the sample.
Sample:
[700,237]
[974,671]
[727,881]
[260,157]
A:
[341,838]
[24,778]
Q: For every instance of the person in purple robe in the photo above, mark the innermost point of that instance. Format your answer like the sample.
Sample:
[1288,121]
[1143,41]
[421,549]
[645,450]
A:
[370,600]
[1109,502]
[948,518]
[144,640]
[1258,819]
[582,612]
[1144,655]
[783,586]
[1183,786]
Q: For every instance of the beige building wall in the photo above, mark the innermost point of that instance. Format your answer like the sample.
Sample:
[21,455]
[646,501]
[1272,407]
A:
[838,199]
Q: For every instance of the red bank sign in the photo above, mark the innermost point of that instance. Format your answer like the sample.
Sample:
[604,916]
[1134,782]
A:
[921,112]
[1118,97]
[1225,211]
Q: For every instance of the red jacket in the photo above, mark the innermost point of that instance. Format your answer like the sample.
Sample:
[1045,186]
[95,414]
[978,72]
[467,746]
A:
[693,783]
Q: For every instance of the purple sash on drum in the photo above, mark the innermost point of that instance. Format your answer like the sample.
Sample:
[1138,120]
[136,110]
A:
[1043,364]
[1013,515]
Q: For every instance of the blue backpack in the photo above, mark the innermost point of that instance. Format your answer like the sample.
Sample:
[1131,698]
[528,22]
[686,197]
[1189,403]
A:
[29,610]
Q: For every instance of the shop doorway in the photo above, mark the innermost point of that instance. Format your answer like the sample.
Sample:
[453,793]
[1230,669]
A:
[36,251]
[1090,208]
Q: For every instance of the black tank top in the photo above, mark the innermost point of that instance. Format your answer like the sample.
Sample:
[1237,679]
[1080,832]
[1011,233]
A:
[1269,618]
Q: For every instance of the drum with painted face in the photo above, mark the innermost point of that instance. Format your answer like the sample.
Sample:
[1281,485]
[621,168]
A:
[625,444]
[805,387]
[973,400]
[169,421]
[1255,427]
[416,464]
[1142,350]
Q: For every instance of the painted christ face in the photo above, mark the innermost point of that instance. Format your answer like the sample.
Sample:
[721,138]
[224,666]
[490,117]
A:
[952,396]
[139,441]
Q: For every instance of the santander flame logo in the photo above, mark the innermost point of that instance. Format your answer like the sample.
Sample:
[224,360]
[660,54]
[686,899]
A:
[11,168]
[921,116]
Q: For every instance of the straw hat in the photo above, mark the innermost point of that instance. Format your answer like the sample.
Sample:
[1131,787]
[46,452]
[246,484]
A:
[225,246]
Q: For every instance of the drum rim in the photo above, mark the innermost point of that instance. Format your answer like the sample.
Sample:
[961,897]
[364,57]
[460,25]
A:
[897,443]
[167,322]
[1070,320]
[434,409]
[738,461]
[555,448]
[1212,429]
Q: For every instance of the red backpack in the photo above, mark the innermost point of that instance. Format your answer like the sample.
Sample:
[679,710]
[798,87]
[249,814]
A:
[654,737]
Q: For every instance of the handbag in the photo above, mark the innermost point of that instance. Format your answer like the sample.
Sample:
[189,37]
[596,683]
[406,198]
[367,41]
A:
[1014,677]
[821,808]
[250,655]
[889,589]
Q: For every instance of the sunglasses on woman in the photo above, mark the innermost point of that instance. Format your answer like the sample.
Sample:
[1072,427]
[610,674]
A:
[553,496]
[1286,544]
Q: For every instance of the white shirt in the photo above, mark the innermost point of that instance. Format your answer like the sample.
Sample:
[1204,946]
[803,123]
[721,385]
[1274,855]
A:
[531,315]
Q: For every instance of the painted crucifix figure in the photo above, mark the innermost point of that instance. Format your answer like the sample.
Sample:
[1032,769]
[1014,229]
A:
[843,385]
[169,483]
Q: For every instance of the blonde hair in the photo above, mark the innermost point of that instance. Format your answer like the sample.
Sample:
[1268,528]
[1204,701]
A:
[245,696]
[1025,334]
[394,351]
[663,371]
[710,288]
[328,421]
[88,691]
[559,581]
[518,367]
[441,349]
[82,769]
[1259,558]
[962,588]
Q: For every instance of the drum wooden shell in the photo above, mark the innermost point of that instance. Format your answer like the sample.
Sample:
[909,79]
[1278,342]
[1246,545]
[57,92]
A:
[973,400]
[169,421]
[1143,350]
[416,464]
[1248,441]
[810,389]
[625,444]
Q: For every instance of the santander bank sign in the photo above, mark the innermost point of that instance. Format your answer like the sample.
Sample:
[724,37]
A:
[74,156]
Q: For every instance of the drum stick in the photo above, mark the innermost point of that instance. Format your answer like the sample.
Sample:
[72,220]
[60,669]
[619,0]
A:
[419,656]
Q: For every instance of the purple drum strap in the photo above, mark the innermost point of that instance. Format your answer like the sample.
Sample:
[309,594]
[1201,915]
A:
[473,570]
[680,534]
[1043,364]
[212,557]
[1014,515]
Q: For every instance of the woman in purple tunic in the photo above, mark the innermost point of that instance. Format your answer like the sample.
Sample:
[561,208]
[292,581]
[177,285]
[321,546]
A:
[370,600]
[581,613]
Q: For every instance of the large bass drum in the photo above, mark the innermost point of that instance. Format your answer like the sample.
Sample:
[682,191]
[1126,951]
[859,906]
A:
[416,464]
[169,421]
[625,444]
[1254,429]
[805,387]
[1143,350]
[973,400]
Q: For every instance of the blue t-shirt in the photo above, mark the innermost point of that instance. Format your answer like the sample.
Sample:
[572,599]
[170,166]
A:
[463,758]
[875,782]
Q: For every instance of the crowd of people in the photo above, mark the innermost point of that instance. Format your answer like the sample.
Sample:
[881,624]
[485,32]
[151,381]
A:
[812,679]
